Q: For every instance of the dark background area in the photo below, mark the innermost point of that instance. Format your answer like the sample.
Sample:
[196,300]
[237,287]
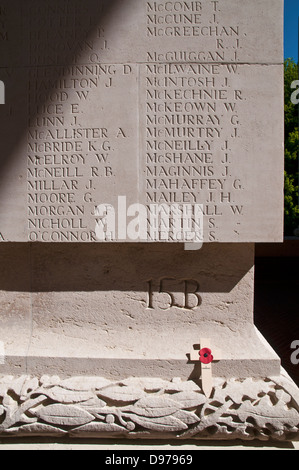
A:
[276,299]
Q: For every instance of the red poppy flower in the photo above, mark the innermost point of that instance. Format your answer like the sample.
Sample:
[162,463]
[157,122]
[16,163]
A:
[205,356]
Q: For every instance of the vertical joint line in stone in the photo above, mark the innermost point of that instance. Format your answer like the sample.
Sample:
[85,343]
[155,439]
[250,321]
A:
[30,306]
[139,147]
[2,92]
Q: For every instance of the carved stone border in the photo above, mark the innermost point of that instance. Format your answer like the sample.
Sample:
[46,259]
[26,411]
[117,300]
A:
[94,407]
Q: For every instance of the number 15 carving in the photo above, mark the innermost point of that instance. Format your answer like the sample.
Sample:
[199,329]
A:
[170,292]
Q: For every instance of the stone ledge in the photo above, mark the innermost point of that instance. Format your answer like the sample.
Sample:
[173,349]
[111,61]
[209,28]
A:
[107,446]
[149,408]
[244,353]
[118,367]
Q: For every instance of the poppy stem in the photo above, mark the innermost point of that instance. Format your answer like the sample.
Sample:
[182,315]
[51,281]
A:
[206,380]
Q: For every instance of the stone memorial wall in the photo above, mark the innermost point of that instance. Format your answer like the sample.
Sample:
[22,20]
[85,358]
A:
[141,103]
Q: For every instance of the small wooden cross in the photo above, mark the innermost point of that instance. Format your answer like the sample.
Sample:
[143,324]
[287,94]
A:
[206,355]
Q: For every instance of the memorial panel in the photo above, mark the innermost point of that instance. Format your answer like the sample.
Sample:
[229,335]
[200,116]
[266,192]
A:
[116,110]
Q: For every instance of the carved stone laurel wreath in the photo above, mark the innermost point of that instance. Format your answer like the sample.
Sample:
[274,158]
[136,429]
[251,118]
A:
[149,408]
